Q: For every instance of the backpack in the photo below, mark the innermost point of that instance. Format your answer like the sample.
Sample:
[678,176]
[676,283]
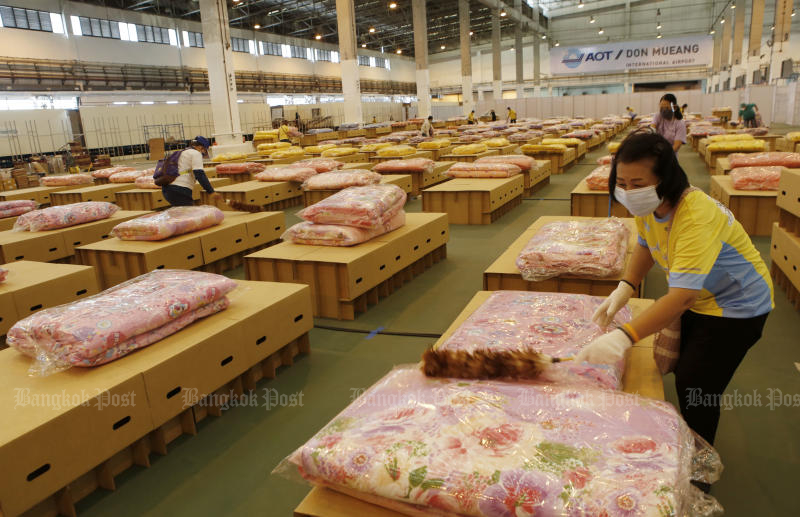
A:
[167,169]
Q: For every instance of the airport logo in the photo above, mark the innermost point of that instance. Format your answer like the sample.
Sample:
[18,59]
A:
[573,59]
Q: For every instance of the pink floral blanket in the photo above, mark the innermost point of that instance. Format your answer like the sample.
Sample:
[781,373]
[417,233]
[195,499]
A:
[63,216]
[169,223]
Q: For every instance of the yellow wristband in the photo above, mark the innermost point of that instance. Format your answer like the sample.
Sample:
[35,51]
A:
[630,330]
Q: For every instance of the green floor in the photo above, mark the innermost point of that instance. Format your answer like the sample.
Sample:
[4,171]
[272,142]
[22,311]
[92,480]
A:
[225,469]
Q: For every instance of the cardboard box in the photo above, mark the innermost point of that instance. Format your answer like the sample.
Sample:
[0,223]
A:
[264,227]
[468,157]
[785,253]
[473,200]
[229,238]
[33,286]
[418,154]
[585,202]
[503,273]
[93,193]
[339,276]
[58,427]
[723,166]
[789,192]
[756,210]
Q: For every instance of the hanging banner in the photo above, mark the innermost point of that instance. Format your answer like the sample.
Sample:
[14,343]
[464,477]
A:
[756,25]
[726,43]
[632,55]
[783,22]
[738,32]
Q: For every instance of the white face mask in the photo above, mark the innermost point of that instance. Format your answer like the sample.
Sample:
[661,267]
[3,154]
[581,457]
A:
[639,202]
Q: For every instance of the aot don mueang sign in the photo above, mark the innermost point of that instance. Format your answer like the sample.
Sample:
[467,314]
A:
[632,55]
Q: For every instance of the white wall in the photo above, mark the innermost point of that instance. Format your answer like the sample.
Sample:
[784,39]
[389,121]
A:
[30,131]
[21,43]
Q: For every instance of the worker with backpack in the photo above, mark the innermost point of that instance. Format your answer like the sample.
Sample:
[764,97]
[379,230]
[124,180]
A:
[176,174]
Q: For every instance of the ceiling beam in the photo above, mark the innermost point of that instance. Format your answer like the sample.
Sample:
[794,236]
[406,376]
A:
[513,14]
[593,7]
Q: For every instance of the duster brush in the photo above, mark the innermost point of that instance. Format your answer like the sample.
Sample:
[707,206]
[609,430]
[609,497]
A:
[486,364]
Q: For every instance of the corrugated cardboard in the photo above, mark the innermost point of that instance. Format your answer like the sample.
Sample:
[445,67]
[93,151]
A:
[785,253]
[249,192]
[229,238]
[96,231]
[264,227]
[756,210]
[39,246]
[58,427]
[789,191]
[585,202]
[93,193]
[33,286]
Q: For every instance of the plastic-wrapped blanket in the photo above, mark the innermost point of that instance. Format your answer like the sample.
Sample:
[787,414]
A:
[64,216]
[730,138]
[339,235]
[66,179]
[400,166]
[169,223]
[793,136]
[319,164]
[497,142]
[298,174]
[598,178]
[756,131]
[581,135]
[16,207]
[342,179]
[117,321]
[375,147]
[146,182]
[229,157]
[482,170]
[706,130]
[396,138]
[784,159]
[556,324]
[3,274]
[318,149]
[414,140]
[462,150]
[525,163]
[522,136]
[240,168]
[543,148]
[613,146]
[272,146]
[468,139]
[605,160]
[107,172]
[594,248]
[339,151]
[435,144]
[756,178]
[130,176]
[455,447]
[738,145]
[289,152]
[369,207]
[397,150]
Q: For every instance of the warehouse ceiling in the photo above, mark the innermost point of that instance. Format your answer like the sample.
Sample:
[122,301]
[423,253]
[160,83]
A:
[307,18]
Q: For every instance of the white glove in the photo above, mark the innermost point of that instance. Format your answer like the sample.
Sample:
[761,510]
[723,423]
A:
[605,313]
[607,349]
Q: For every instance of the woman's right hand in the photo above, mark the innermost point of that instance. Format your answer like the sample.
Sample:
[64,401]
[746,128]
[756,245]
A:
[605,313]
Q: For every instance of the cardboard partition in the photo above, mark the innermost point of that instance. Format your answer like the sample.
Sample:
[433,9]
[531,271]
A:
[33,286]
[789,191]
[785,253]
[756,210]
[585,202]
[56,428]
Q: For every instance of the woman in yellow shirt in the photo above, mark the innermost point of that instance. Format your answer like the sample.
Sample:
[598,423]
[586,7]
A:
[719,287]
[283,132]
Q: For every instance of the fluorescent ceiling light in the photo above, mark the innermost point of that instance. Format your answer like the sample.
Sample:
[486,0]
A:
[172,102]
[120,103]
[146,102]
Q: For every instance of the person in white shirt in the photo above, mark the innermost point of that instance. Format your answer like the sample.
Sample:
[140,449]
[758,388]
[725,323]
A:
[190,166]
[427,127]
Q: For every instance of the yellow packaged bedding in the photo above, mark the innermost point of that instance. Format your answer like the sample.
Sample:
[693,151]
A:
[543,148]
[336,152]
[497,142]
[396,150]
[794,136]
[613,146]
[229,157]
[289,152]
[569,142]
[258,135]
[434,144]
[730,138]
[375,147]
[462,150]
[317,149]
[738,145]
[274,146]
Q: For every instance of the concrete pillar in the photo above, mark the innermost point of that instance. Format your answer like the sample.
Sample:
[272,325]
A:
[420,19]
[221,76]
[480,95]
[351,85]
[497,63]
[518,53]
[466,56]
[536,59]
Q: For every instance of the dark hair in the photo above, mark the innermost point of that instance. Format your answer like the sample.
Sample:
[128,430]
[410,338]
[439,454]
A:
[643,145]
[673,102]
[430,117]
